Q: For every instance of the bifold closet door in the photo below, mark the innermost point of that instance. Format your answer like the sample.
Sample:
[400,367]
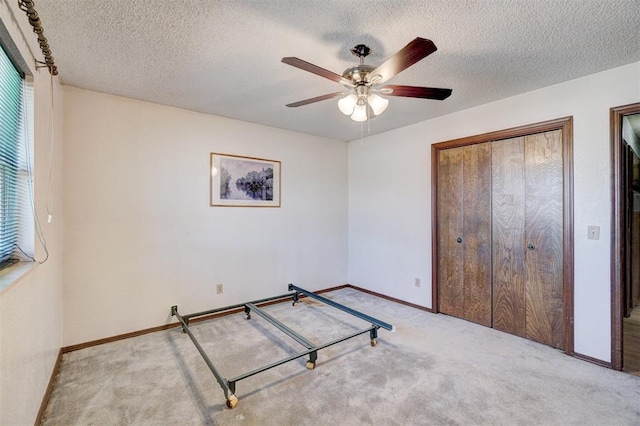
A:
[527,228]
[464,232]
[508,210]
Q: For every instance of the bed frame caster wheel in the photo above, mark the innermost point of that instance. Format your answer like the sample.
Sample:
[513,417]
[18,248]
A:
[232,401]
[294,303]
[373,342]
[248,317]
[311,365]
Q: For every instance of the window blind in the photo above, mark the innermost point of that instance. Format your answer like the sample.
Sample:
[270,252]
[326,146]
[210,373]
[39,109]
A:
[11,158]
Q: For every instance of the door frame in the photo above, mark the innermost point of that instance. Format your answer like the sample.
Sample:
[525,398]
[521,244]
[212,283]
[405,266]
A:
[564,124]
[617,210]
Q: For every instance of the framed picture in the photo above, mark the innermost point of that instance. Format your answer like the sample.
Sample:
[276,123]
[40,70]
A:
[244,181]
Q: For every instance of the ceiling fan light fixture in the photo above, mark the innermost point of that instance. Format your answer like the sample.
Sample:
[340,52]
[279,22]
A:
[359,113]
[348,104]
[378,103]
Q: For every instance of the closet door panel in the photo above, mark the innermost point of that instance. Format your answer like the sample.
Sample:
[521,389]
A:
[508,230]
[544,211]
[477,234]
[450,227]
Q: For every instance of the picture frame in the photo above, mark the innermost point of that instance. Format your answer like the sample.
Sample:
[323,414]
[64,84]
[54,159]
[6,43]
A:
[239,181]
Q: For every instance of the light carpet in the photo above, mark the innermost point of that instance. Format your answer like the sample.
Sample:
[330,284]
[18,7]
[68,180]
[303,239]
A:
[433,370]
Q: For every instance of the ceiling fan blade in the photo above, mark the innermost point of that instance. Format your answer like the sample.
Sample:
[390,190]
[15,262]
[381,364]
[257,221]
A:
[316,99]
[306,66]
[416,50]
[415,92]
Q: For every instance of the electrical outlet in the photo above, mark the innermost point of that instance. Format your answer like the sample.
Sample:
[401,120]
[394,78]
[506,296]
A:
[219,288]
[593,232]
[417,282]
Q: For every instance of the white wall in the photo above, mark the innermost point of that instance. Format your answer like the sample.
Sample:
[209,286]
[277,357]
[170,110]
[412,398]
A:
[390,194]
[31,307]
[140,235]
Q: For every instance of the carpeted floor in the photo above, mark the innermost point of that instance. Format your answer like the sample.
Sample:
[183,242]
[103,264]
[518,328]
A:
[434,370]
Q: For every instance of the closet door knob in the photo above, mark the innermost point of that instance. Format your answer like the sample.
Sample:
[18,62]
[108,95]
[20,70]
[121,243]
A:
[459,240]
[531,246]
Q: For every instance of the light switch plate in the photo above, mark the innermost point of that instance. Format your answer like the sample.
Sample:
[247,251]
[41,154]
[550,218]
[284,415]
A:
[593,232]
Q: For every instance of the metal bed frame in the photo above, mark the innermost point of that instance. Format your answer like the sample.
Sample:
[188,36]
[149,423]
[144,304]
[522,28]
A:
[229,385]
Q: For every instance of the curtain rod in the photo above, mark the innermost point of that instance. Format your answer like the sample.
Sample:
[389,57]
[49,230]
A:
[28,7]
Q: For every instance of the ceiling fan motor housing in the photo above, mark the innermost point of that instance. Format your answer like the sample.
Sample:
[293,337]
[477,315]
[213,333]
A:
[359,74]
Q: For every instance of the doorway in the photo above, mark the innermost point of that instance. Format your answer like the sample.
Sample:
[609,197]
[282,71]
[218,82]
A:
[625,249]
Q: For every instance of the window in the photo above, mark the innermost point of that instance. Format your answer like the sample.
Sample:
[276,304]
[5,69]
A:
[13,161]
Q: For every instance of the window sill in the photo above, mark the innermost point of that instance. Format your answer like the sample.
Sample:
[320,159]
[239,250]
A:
[13,274]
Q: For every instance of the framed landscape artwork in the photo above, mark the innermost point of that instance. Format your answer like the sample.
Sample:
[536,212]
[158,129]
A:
[244,181]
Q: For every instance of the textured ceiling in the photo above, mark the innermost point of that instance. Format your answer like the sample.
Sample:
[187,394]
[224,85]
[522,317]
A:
[223,57]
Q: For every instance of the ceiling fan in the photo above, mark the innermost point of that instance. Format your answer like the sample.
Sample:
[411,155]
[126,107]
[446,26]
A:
[362,101]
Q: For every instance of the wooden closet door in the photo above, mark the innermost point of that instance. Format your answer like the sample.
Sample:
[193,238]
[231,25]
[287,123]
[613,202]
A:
[508,208]
[527,229]
[464,232]
[450,227]
[544,234]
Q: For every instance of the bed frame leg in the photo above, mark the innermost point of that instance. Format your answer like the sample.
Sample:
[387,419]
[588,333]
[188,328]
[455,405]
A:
[313,357]
[174,312]
[296,298]
[373,334]
[232,400]
[247,310]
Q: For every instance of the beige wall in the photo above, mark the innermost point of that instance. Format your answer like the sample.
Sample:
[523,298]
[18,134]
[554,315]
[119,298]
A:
[390,212]
[31,307]
[140,235]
